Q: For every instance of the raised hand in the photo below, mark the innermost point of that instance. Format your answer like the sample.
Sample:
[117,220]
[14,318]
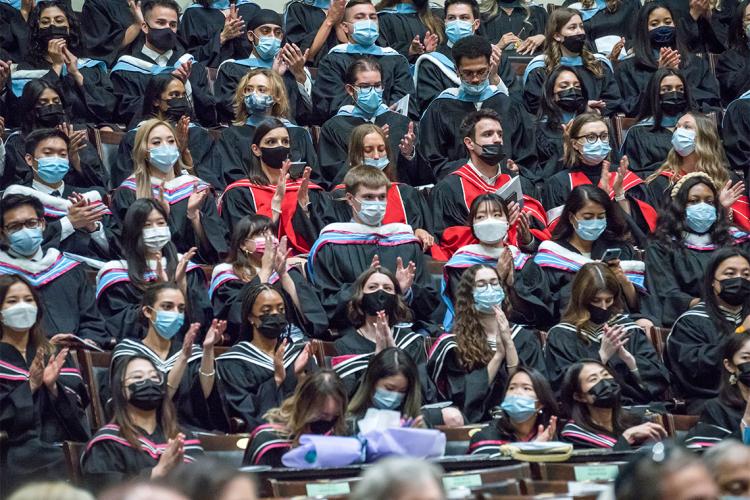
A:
[430,42]
[196,199]
[523,229]
[53,368]
[622,172]
[505,267]
[669,58]
[383,334]
[36,371]
[268,260]
[180,274]
[495,57]
[295,59]
[614,56]
[547,434]
[215,333]
[512,166]
[416,48]
[303,193]
[301,362]
[234,26]
[161,273]
[161,198]
[406,146]
[278,195]
[336,11]
[135,10]
[55,51]
[375,262]
[183,71]
[171,457]
[280,256]
[82,214]
[425,238]
[613,339]
[279,372]
[503,332]
[189,340]
[405,275]
[4,73]
[182,133]
[604,179]
[731,193]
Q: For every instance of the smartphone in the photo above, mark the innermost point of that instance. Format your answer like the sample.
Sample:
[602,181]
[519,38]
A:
[297,169]
[611,254]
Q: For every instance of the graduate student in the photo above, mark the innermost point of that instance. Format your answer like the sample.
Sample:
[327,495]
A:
[344,250]
[513,26]
[149,255]
[188,368]
[441,143]
[42,395]
[589,225]
[66,295]
[318,406]
[42,105]
[566,45]
[647,143]
[528,412]
[110,28]
[260,95]
[54,44]
[261,370]
[605,20]
[733,65]
[484,140]
[77,220]
[690,230]
[592,401]
[412,27]
[165,98]
[160,51]
[695,347]
[658,43]
[704,25]
[595,325]
[435,71]
[256,257]
[359,32]
[264,36]
[314,25]
[143,438]
[214,31]
[14,30]
[268,189]
[364,83]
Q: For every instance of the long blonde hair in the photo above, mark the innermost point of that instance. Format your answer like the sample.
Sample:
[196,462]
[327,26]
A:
[711,158]
[490,8]
[276,89]
[141,168]
[557,21]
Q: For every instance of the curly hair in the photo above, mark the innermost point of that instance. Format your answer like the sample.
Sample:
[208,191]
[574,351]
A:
[37,50]
[557,20]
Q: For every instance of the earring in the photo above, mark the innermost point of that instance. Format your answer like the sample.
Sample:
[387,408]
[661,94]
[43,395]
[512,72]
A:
[733,379]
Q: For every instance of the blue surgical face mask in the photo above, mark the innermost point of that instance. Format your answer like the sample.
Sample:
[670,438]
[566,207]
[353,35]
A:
[365,33]
[456,30]
[380,163]
[596,152]
[387,400]
[267,47]
[371,212]
[164,157]
[486,298]
[369,100]
[700,217]
[519,408]
[26,241]
[475,89]
[16,4]
[590,229]
[168,323]
[258,103]
[52,169]
[683,141]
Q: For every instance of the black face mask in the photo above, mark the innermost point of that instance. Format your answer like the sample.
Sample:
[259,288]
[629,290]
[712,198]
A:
[673,103]
[734,291]
[51,33]
[274,157]
[380,300]
[163,39]
[418,4]
[272,325]
[606,393]
[743,373]
[598,315]
[574,43]
[571,100]
[321,426]
[146,396]
[492,153]
[663,36]
[177,107]
[51,115]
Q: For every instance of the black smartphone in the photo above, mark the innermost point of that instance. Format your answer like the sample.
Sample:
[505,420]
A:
[611,254]
[297,169]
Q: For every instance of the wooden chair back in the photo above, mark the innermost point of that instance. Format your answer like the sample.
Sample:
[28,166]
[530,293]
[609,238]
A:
[73,451]
[91,364]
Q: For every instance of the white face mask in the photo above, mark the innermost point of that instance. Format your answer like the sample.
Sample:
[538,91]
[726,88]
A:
[21,316]
[491,230]
[156,237]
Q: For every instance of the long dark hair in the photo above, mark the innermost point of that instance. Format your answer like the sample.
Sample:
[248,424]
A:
[642,41]
[490,198]
[133,248]
[165,414]
[548,106]
[671,225]
[592,278]
[544,396]
[356,314]
[387,363]
[27,102]
[247,226]
[729,393]
[37,338]
[616,225]
[254,169]
[155,87]
[248,301]
[651,101]
[736,33]
[709,297]
[38,50]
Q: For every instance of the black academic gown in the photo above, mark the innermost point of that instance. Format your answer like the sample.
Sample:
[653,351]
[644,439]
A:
[398,29]
[194,410]
[490,438]
[249,384]
[227,291]
[700,36]
[522,21]
[177,193]
[37,423]
[646,147]
[607,23]
[14,33]
[441,145]
[582,437]
[103,27]
[719,420]
[201,27]
[110,460]
[334,264]
[130,86]
[67,297]
[302,22]
[633,77]
[566,347]
[119,301]
[268,444]
[549,150]
[736,135]
[733,73]
[328,91]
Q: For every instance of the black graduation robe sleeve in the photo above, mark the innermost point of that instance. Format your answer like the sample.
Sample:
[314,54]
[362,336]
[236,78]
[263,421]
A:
[733,74]
[529,349]
[203,100]
[194,408]
[646,148]
[266,447]
[302,22]
[201,27]
[736,135]
[667,298]
[14,33]
[398,30]
[103,26]
[536,290]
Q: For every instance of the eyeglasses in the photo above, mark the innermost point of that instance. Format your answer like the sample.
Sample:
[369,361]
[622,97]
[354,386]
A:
[365,88]
[471,75]
[591,138]
[28,224]
[140,378]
